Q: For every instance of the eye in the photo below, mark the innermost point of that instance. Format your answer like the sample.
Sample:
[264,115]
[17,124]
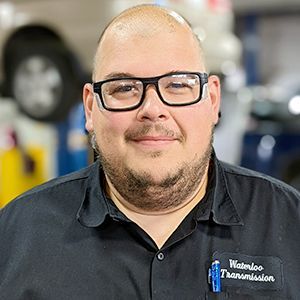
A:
[178,85]
[122,89]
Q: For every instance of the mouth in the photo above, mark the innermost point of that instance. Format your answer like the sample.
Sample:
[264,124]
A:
[154,141]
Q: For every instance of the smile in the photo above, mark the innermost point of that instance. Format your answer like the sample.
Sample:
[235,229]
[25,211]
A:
[154,141]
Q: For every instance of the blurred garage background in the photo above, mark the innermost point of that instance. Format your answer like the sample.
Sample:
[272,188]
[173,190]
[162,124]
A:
[46,54]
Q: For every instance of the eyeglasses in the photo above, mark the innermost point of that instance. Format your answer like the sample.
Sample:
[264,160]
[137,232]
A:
[173,89]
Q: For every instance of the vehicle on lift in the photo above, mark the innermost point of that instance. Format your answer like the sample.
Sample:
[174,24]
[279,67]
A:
[47,46]
[272,142]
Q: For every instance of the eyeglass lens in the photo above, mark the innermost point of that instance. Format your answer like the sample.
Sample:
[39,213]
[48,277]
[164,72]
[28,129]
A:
[179,89]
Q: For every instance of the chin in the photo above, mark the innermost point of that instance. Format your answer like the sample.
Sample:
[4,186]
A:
[155,173]
[158,164]
[158,177]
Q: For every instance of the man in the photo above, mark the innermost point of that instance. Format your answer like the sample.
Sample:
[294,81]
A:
[157,216]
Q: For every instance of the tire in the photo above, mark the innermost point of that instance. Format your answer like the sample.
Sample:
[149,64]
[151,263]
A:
[41,80]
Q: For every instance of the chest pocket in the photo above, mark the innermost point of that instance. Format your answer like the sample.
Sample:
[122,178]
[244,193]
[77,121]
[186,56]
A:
[235,296]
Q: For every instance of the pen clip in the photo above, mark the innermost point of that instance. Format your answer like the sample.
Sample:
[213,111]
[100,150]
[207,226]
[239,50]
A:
[214,276]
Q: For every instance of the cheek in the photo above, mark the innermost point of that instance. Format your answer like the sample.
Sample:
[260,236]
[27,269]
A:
[109,128]
[198,128]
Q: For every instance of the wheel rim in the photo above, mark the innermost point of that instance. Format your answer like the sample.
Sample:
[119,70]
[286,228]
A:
[38,86]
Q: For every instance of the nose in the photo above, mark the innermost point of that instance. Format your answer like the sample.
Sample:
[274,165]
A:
[152,108]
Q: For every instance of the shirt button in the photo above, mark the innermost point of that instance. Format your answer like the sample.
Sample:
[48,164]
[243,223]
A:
[160,256]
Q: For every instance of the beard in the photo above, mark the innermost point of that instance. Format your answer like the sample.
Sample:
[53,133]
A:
[143,192]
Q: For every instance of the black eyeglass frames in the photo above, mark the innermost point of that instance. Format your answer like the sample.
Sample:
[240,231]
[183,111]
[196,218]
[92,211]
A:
[173,89]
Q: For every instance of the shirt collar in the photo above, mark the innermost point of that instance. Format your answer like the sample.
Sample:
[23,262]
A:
[217,203]
[94,208]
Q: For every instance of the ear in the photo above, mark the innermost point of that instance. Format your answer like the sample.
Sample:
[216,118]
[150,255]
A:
[88,103]
[214,90]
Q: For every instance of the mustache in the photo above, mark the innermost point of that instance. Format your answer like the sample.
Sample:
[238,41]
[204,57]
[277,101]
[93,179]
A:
[157,129]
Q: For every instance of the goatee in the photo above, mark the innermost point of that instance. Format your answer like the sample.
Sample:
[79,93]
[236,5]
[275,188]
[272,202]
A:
[142,191]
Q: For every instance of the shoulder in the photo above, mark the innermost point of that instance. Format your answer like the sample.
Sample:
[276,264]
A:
[59,182]
[59,193]
[254,186]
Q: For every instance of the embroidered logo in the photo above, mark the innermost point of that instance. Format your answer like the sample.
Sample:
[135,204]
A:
[256,272]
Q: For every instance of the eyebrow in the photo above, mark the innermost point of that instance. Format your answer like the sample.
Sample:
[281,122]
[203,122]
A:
[118,75]
[123,74]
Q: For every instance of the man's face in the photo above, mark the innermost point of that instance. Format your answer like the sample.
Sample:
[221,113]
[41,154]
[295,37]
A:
[154,139]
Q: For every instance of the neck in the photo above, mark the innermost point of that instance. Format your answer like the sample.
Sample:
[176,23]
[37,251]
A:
[159,225]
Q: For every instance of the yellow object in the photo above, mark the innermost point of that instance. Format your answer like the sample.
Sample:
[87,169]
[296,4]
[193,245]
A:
[15,176]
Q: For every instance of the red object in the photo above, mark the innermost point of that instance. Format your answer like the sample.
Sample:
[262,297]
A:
[219,5]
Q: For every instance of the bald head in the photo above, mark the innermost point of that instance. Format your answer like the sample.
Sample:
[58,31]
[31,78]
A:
[146,20]
[143,22]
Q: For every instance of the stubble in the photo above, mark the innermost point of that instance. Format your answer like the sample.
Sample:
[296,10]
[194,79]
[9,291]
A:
[142,191]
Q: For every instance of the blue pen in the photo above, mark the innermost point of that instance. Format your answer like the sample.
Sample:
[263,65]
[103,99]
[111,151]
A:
[216,276]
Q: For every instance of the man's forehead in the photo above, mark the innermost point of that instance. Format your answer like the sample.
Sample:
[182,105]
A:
[146,20]
[140,25]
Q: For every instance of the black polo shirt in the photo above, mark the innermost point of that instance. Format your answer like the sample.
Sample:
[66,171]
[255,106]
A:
[66,240]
